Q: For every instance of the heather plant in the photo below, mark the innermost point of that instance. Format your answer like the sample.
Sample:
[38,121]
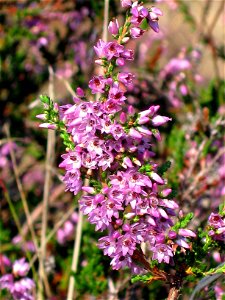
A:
[109,146]
[141,157]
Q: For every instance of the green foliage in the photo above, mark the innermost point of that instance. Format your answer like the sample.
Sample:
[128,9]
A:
[164,167]
[183,222]
[143,278]
[213,95]
[91,277]
[178,147]
[52,116]
[4,234]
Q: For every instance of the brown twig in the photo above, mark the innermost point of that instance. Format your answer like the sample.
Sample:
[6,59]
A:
[56,227]
[76,252]
[173,293]
[37,211]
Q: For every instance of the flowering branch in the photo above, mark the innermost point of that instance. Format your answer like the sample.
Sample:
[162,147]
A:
[110,144]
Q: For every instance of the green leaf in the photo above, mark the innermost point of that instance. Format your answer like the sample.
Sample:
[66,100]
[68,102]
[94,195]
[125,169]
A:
[142,278]
[144,24]
[45,99]
[164,167]
[183,222]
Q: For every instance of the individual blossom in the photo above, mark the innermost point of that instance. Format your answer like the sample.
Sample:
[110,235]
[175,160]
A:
[216,225]
[20,267]
[162,253]
[17,284]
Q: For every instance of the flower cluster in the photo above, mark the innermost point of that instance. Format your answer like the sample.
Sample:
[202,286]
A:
[16,283]
[111,144]
[216,223]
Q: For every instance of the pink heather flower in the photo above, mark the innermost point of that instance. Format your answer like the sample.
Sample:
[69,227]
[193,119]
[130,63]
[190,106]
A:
[22,289]
[4,261]
[172,234]
[219,291]
[134,133]
[113,26]
[127,162]
[108,244]
[106,160]
[139,13]
[136,32]
[175,66]
[72,160]
[160,120]
[156,178]
[183,89]
[113,49]
[216,221]
[68,228]
[126,3]
[162,253]
[48,126]
[126,244]
[73,181]
[156,134]
[20,267]
[88,161]
[61,236]
[143,120]
[80,92]
[120,62]
[153,18]
[100,48]
[126,78]
[166,192]
[186,233]
[144,130]
[6,282]
[116,94]
[119,262]
[97,84]
[123,117]
[112,106]
[74,217]
[128,54]
[117,131]
[182,243]
[41,117]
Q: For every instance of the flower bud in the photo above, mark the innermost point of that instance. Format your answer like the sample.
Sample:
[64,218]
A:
[127,162]
[136,32]
[172,234]
[123,118]
[125,39]
[143,120]
[41,116]
[134,133]
[160,120]
[165,192]
[80,92]
[156,177]
[113,27]
[126,3]
[120,62]
[48,126]
[186,233]
[88,189]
